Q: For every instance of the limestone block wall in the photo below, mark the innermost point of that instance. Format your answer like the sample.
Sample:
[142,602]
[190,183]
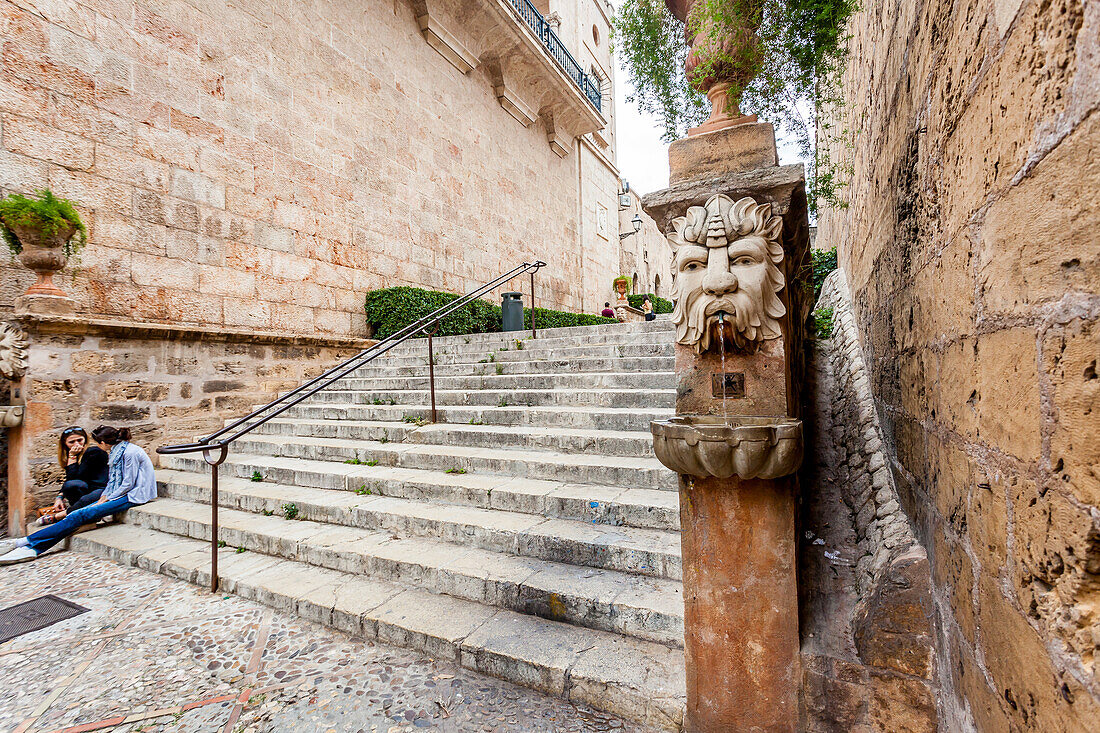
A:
[263,164]
[971,247]
[646,253]
[167,384]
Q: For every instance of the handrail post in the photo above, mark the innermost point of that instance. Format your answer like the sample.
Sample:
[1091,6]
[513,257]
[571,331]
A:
[533,302]
[431,375]
[214,528]
[214,512]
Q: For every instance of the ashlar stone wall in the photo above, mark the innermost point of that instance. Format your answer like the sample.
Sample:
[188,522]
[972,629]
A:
[263,164]
[168,384]
[971,244]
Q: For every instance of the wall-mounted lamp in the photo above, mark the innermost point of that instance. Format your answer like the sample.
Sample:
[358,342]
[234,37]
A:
[637,223]
[624,195]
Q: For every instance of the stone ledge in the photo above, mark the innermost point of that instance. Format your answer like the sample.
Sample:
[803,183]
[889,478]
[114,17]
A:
[77,325]
[778,185]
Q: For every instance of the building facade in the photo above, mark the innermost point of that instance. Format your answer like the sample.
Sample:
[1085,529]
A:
[248,171]
[262,165]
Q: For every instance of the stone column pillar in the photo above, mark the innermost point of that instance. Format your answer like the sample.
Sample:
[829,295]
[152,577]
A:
[738,227]
[740,604]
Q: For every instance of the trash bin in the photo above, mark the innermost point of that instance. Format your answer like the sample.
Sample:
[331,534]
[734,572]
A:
[511,311]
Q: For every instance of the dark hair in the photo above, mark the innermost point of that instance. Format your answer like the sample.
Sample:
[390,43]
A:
[607,304]
[110,436]
[62,449]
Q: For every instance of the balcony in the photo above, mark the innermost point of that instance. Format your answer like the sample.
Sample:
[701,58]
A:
[534,20]
[533,75]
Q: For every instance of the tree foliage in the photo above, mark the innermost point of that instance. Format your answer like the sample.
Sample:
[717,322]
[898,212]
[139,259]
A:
[784,59]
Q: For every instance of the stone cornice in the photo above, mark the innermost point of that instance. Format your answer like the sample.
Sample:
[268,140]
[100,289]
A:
[84,326]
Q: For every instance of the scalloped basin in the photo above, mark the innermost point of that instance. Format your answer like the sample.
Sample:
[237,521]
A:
[713,446]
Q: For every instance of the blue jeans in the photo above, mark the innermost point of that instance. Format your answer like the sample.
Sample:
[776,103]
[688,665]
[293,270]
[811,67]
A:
[44,539]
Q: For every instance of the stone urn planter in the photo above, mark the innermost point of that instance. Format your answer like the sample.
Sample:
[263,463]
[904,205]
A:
[44,255]
[717,78]
[622,284]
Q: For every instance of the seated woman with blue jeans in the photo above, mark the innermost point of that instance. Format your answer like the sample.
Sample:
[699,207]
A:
[130,482]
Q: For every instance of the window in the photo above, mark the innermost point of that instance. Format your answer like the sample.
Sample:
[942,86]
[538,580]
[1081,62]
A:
[596,35]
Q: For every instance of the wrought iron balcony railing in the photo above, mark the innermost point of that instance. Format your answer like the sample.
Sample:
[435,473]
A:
[533,18]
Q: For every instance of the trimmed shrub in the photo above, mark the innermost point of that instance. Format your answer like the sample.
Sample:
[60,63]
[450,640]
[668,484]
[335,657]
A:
[391,309]
[660,305]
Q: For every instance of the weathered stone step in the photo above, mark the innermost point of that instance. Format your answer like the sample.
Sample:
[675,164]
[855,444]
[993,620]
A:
[644,607]
[417,353]
[640,680]
[625,330]
[651,552]
[591,503]
[561,440]
[625,471]
[581,417]
[381,368]
[645,398]
[550,339]
[505,381]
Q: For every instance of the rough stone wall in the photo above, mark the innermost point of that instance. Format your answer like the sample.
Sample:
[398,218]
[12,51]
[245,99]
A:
[264,164]
[865,583]
[5,396]
[971,244]
[166,387]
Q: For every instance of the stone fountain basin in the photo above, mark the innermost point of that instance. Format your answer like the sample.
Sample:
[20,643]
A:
[717,446]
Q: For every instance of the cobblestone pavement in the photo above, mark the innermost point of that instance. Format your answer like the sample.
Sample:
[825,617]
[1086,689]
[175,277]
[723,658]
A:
[157,654]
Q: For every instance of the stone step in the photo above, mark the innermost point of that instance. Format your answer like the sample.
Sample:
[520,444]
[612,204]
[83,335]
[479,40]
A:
[510,382]
[644,398]
[589,503]
[651,552]
[580,417]
[629,472]
[640,680]
[547,340]
[417,353]
[561,440]
[588,365]
[643,607]
[548,334]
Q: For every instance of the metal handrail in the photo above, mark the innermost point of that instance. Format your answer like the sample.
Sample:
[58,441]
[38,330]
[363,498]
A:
[428,324]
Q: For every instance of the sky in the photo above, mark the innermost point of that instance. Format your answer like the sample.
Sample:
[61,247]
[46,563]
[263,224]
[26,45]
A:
[642,156]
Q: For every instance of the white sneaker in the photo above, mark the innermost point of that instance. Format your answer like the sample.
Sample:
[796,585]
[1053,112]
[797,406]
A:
[10,543]
[19,554]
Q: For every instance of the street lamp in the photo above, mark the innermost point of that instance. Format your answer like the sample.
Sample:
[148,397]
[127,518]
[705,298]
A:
[637,222]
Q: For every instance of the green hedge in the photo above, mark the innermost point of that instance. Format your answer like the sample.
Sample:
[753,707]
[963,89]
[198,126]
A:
[660,305]
[391,309]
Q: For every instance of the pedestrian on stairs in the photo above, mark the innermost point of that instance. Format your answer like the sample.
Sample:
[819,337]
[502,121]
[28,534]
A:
[607,311]
[130,482]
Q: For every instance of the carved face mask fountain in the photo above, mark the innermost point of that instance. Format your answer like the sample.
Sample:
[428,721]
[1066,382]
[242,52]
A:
[726,275]
[727,279]
[736,443]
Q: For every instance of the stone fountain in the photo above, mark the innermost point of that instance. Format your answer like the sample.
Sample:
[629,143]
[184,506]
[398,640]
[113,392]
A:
[737,223]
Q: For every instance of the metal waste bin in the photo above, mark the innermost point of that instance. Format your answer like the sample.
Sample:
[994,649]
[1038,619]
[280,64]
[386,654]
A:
[511,311]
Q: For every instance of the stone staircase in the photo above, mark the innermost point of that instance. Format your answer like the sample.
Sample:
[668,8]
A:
[531,535]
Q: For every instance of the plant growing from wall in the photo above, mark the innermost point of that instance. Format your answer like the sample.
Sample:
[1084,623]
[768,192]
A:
[782,59]
[823,323]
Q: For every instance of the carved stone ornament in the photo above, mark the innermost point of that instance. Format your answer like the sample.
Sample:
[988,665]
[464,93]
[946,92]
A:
[725,274]
[748,447]
[13,352]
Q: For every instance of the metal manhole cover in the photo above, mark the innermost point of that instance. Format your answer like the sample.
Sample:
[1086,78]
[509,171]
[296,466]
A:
[34,615]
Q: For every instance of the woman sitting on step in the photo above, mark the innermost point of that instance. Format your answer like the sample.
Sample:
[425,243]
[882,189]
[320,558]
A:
[85,469]
[130,482]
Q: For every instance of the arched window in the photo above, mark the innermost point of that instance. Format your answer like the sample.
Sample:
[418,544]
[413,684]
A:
[657,285]
[634,285]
